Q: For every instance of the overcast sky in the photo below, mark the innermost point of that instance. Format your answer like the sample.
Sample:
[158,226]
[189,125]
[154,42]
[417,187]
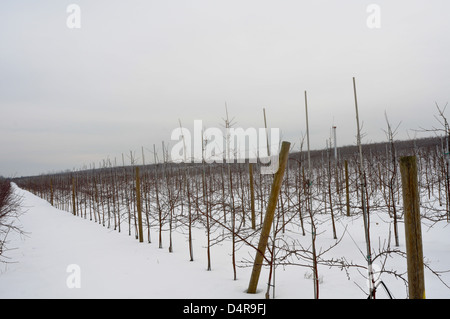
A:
[75,96]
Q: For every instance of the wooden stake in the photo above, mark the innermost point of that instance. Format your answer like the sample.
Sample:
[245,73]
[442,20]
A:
[267,133]
[74,205]
[310,210]
[276,186]
[252,195]
[413,233]
[363,199]
[51,192]
[347,193]
[139,206]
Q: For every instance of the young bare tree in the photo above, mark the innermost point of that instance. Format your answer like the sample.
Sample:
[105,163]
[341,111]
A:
[10,205]
[393,179]
[444,129]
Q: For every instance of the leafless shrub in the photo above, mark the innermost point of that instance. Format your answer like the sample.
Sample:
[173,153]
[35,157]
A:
[9,211]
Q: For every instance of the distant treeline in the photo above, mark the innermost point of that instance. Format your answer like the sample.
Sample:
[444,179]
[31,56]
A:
[404,147]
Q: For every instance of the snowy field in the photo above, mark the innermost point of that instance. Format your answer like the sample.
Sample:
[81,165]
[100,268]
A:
[62,256]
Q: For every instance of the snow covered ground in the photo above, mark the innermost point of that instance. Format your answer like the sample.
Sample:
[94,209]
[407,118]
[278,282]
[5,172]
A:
[62,256]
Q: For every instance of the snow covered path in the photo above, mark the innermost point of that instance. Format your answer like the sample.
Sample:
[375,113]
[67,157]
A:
[110,264]
[59,248]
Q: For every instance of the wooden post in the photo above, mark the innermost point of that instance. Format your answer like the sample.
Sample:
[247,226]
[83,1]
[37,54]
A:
[413,233]
[310,210]
[139,206]
[51,192]
[362,177]
[267,224]
[252,195]
[74,205]
[347,193]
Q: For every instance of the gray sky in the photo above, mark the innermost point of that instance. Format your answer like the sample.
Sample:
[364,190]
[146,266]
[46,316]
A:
[72,97]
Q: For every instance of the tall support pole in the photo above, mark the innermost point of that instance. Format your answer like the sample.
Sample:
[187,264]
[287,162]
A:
[336,171]
[267,224]
[74,204]
[272,262]
[309,203]
[252,195]
[267,133]
[413,232]
[347,192]
[139,205]
[335,144]
[363,198]
[447,166]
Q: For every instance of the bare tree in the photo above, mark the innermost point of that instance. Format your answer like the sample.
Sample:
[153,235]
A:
[10,204]
[393,179]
